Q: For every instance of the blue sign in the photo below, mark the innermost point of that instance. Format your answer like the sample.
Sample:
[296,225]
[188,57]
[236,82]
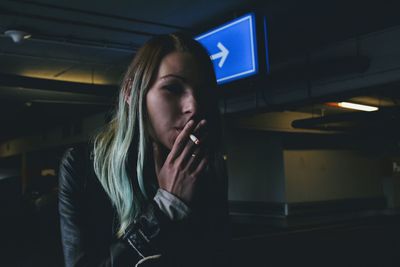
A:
[232,48]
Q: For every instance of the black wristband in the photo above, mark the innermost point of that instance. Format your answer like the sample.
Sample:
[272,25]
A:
[144,234]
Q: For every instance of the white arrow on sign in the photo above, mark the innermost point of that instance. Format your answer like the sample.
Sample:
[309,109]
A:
[223,54]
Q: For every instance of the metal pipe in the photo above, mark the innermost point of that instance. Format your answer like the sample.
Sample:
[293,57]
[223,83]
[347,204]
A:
[8,12]
[94,13]
[54,59]
[95,45]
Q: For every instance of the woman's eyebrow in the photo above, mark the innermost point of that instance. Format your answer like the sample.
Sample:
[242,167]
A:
[173,76]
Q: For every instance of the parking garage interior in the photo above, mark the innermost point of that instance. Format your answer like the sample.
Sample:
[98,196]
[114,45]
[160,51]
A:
[312,182]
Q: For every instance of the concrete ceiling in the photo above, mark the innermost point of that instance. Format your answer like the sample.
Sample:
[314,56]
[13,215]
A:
[88,44]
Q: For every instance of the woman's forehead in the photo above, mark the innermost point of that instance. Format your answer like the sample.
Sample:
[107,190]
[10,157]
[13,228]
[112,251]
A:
[179,65]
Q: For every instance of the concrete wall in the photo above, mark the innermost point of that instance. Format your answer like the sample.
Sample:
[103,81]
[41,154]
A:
[322,175]
[54,137]
[255,166]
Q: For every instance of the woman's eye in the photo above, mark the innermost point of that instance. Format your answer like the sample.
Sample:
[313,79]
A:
[174,88]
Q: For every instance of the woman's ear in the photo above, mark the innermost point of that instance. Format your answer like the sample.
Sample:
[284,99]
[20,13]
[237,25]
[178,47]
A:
[128,92]
[128,98]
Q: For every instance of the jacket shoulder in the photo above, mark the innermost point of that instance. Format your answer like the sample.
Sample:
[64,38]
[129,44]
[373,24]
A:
[73,167]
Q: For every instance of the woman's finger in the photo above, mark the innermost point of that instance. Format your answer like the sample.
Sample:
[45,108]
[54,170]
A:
[201,166]
[181,141]
[190,149]
[194,158]
[198,132]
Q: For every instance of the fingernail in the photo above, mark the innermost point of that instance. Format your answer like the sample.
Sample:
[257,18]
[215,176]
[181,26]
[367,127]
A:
[190,123]
[202,123]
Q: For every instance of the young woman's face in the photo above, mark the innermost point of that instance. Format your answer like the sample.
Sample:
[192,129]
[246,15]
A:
[175,97]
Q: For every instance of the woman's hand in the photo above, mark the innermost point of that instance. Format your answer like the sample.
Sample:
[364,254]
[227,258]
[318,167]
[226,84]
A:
[183,166]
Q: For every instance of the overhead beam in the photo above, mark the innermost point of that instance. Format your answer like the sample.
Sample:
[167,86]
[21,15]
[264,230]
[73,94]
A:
[7,80]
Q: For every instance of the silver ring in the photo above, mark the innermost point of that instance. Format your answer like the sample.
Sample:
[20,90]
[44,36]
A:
[193,155]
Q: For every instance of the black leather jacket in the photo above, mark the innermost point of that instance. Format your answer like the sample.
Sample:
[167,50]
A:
[89,223]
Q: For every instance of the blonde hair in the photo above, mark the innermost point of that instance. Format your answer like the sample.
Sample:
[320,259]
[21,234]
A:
[125,140]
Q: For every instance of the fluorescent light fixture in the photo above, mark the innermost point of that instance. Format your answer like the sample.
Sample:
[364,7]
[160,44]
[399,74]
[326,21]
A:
[357,106]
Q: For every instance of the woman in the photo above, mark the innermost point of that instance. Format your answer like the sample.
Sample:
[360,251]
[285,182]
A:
[151,190]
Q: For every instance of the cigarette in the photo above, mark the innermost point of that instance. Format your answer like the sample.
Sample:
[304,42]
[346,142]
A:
[194,139]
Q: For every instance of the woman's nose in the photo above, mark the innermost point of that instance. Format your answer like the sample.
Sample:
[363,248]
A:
[190,104]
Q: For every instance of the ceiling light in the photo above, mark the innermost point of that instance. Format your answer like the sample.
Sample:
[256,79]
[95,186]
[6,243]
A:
[17,36]
[355,106]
